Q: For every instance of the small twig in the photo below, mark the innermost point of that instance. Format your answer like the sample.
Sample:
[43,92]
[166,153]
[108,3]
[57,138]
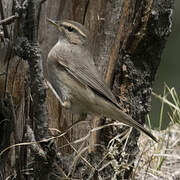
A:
[4,120]
[35,146]
[138,163]
[79,152]
[126,142]
[2,74]
[44,140]
[61,171]
[8,20]
[71,172]
[166,101]
[107,164]
[148,166]
[6,34]
[62,134]
[25,4]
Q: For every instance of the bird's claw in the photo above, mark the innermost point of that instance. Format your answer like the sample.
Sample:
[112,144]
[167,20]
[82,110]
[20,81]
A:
[66,104]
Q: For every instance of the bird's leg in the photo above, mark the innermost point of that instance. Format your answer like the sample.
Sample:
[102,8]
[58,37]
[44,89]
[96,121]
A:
[66,104]
[63,101]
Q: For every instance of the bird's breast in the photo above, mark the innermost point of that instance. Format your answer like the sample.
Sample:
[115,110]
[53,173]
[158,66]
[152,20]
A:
[70,88]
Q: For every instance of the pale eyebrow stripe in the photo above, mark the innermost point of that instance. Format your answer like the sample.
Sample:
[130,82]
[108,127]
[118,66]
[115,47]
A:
[77,29]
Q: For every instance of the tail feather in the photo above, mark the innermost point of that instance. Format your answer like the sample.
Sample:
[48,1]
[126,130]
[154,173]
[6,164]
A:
[126,119]
[141,128]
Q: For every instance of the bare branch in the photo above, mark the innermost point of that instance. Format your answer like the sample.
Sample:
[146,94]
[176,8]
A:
[6,34]
[9,20]
[35,147]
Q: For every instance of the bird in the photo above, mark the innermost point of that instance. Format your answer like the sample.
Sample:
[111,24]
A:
[73,78]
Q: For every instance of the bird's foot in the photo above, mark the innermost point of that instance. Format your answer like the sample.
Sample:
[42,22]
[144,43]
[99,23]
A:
[66,104]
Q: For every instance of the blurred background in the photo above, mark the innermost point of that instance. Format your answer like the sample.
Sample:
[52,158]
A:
[169,70]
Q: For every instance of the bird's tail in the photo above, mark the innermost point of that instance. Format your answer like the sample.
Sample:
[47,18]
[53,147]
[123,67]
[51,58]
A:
[131,122]
[126,119]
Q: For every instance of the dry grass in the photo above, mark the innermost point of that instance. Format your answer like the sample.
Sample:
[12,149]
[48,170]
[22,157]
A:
[159,160]
[162,160]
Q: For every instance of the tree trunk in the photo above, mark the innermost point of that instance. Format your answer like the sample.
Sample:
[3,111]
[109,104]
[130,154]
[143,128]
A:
[128,37]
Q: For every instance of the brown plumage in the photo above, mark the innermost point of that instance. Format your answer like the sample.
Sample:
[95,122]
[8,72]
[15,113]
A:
[73,77]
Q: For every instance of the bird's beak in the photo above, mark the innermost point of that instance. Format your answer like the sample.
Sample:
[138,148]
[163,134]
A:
[54,23]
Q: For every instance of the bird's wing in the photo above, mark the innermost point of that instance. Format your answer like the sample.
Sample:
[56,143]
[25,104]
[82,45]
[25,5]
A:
[86,73]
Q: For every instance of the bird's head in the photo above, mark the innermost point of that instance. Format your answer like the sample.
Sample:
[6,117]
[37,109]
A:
[73,31]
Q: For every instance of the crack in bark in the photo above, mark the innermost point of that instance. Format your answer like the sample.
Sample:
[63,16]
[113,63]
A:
[115,49]
[85,11]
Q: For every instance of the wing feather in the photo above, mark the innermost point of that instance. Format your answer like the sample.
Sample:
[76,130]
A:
[85,72]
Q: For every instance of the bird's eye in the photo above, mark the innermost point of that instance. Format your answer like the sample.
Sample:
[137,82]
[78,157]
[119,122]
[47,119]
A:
[70,29]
